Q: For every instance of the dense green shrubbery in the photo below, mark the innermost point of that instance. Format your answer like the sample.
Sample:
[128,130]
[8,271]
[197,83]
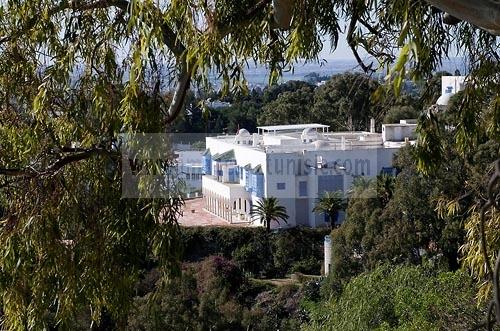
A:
[200,242]
[396,219]
[258,253]
[214,291]
[401,298]
[215,295]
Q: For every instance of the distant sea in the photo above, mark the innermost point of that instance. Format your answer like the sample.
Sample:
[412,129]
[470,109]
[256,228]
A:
[258,76]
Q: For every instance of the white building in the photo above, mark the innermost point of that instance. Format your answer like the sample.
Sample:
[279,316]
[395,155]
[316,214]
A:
[450,85]
[294,163]
[190,171]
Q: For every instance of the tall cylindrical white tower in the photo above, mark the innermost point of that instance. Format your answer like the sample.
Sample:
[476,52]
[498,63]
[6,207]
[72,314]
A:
[372,125]
[328,254]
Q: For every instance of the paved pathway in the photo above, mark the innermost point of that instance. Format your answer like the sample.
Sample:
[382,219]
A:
[195,215]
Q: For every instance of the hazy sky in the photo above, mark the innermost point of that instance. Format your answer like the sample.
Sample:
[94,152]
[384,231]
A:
[342,52]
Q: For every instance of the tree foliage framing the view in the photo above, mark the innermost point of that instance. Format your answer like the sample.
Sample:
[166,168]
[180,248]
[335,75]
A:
[74,75]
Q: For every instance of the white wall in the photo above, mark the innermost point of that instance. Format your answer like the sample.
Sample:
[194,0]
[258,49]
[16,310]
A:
[455,83]
[270,140]
[398,132]
[283,168]
[385,157]
[367,162]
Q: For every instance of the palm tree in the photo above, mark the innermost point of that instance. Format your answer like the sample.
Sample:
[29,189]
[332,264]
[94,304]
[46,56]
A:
[330,204]
[268,210]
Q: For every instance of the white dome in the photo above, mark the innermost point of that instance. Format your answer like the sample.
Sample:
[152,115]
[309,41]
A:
[243,132]
[444,99]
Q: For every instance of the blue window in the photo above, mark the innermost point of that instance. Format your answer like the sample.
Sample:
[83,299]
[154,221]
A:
[388,171]
[248,184]
[259,188]
[280,186]
[303,189]
[207,164]
[330,183]
[231,174]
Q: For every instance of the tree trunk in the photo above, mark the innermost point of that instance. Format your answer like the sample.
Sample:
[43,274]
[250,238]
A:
[483,13]
[333,219]
[283,10]
[268,225]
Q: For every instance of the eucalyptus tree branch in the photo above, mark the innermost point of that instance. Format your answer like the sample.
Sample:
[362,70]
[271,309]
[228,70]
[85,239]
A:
[186,71]
[259,6]
[169,36]
[352,44]
[30,172]
[283,10]
[173,43]
[482,13]
[183,84]
[30,24]
[64,5]
[369,27]
[492,273]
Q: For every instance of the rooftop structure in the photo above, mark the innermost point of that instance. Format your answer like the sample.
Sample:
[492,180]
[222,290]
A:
[291,127]
[294,163]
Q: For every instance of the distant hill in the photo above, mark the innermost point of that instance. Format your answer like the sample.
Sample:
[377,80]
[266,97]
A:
[258,76]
